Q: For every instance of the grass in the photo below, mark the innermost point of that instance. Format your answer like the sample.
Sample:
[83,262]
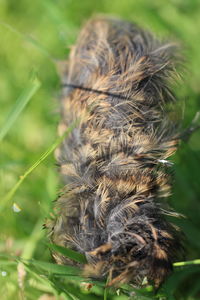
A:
[34,35]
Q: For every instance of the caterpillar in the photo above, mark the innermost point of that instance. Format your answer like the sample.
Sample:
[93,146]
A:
[116,85]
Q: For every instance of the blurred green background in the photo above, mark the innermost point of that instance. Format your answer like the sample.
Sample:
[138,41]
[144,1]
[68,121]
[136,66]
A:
[33,35]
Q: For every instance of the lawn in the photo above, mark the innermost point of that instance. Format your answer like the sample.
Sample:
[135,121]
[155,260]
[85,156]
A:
[35,35]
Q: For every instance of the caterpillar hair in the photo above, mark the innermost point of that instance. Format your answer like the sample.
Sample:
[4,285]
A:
[114,165]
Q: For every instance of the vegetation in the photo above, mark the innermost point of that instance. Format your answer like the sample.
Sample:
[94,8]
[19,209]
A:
[35,35]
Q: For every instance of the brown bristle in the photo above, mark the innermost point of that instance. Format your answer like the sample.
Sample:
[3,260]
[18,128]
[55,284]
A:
[114,164]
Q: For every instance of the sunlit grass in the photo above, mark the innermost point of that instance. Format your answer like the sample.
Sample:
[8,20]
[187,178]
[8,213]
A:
[33,36]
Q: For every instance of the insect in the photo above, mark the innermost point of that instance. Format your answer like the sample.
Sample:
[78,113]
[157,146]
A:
[114,163]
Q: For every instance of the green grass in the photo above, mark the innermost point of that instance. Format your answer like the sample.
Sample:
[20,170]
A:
[34,35]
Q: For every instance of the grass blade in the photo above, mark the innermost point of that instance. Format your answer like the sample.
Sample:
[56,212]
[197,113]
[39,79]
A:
[187,263]
[76,256]
[177,278]
[27,38]
[11,193]
[33,239]
[55,268]
[41,279]
[20,104]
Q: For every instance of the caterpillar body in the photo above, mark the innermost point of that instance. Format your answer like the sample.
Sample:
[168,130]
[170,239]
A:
[114,163]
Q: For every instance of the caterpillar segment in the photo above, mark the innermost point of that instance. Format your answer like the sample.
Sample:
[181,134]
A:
[114,166]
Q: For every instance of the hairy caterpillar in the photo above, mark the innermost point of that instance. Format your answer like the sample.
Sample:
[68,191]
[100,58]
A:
[114,164]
